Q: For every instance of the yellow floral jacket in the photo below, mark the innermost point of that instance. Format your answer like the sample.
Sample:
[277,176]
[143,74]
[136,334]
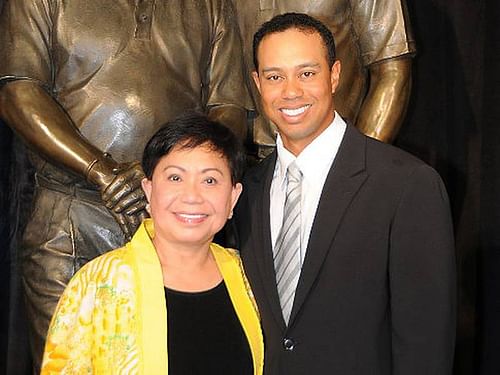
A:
[112,317]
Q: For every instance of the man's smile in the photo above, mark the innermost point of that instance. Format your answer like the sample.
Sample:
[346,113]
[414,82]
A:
[295,111]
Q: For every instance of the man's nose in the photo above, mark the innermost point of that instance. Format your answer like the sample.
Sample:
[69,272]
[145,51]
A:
[292,89]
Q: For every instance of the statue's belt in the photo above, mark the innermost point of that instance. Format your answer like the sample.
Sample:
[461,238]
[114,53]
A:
[85,194]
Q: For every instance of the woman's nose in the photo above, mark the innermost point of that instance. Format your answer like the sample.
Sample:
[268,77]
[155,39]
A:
[192,193]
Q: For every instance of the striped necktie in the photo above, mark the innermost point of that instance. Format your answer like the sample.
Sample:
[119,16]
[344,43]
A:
[287,249]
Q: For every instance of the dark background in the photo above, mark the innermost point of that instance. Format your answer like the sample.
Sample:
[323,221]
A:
[453,123]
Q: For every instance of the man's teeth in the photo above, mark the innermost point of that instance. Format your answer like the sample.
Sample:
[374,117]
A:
[294,112]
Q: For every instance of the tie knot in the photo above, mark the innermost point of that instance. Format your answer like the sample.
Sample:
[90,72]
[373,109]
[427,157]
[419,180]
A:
[293,173]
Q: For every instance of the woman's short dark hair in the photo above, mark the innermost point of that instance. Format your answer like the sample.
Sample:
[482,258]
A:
[299,21]
[190,131]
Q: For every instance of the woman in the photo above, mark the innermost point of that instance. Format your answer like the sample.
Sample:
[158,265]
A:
[112,318]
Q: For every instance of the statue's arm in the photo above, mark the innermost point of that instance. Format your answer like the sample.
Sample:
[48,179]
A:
[384,107]
[43,124]
[233,116]
[228,93]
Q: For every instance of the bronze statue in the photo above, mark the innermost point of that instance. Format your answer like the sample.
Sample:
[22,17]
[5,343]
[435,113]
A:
[374,45]
[85,84]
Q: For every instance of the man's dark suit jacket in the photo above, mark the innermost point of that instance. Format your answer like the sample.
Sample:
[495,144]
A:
[377,291]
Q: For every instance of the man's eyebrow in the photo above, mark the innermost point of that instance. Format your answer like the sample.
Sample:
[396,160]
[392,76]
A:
[300,66]
[270,69]
[308,65]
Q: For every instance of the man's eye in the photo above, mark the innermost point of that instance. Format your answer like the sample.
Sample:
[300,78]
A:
[273,77]
[308,74]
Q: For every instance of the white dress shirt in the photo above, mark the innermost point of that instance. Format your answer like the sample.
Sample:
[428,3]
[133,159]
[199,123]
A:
[314,162]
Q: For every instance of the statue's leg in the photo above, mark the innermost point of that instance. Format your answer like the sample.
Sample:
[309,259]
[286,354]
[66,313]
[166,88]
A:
[67,229]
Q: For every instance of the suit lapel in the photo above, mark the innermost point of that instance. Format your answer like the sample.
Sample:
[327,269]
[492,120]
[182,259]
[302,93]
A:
[346,176]
[259,187]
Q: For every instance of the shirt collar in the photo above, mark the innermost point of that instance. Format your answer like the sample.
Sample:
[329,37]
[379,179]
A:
[318,155]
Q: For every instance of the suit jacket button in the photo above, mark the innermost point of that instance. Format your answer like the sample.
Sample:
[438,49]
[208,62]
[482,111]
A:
[288,344]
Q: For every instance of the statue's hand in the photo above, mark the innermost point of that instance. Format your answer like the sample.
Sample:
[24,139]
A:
[121,192]
[125,198]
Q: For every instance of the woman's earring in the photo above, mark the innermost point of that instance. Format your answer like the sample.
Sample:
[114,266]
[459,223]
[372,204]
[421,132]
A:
[230,215]
[148,208]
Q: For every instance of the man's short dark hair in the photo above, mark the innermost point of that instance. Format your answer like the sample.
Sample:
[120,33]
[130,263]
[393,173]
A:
[299,21]
[190,131]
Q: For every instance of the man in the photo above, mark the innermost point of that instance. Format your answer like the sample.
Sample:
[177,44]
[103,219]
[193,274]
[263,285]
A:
[85,84]
[347,241]
[375,43]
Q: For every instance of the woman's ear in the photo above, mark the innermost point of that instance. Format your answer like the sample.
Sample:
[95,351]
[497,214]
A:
[146,186]
[235,194]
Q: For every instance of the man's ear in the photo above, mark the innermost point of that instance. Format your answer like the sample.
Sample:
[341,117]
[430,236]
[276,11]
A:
[256,79]
[335,75]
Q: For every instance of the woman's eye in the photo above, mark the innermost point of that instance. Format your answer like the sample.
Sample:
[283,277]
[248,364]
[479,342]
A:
[210,181]
[174,178]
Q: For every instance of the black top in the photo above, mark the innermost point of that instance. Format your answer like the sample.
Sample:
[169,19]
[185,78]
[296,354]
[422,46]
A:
[205,335]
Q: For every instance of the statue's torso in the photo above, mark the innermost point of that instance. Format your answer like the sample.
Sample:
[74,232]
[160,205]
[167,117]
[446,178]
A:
[122,68]
[121,72]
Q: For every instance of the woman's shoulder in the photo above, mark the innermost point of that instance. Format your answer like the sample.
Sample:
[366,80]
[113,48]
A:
[106,265]
[228,259]
[225,251]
